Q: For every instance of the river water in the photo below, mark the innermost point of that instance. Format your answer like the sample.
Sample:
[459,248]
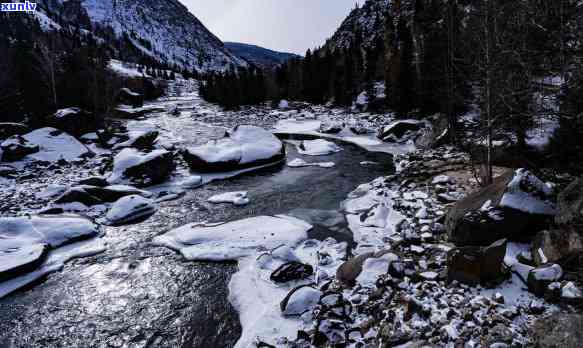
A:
[139,295]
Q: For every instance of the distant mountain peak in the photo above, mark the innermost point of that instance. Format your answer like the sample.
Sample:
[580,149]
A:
[162,29]
[259,56]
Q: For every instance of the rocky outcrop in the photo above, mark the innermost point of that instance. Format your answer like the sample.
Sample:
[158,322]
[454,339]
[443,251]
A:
[74,121]
[559,330]
[516,206]
[16,148]
[477,265]
[142,169]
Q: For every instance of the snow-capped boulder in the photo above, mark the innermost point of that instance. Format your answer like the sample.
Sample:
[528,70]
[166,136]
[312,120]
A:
[400,131]
[16,148]
[24,241]
[556,245]
[300,300]
[55,145]
[475,265]
[283,104]
[75,121]
[244,147]
[291,271]
[540,278]
[319,147]
[234,240]
[130,209]
[516,206]
[142,169]
[570,205]
[361,101]
[331,127]
[141,140]
[93,195]
[236,198]
[348,273]
[128,97]
[375,267]
[8,129]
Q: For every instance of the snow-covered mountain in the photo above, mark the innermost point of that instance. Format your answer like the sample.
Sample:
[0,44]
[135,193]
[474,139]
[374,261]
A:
[259,56]
[162,29]
[364,26]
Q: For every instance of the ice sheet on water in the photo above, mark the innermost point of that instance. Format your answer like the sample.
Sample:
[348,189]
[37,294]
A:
[318,147]
[298,163]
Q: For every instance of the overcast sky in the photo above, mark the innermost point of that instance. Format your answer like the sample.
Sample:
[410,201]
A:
[283,25]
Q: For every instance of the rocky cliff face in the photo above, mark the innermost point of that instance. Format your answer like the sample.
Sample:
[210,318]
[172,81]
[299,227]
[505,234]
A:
[363,25]
[162,29]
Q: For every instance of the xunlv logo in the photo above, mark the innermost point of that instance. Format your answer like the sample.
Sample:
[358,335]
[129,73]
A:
[18,7]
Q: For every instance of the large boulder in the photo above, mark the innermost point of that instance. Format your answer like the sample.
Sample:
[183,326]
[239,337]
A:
[477,265]
[127,97]
[400,131]
[516,206]
[16,148]
[75,121]
[556,245]
[244,147]
[559,330]
[130,209]
[55,145]
[570,205]
[25,241]
[8,129]
[142,169]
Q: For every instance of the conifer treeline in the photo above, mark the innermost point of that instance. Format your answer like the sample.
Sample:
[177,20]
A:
[234,88]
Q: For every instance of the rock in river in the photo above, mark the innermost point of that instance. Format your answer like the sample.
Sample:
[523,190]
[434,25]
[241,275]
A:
[142,169]
[130,209]
[291,271]
[25,241]
[244,147]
